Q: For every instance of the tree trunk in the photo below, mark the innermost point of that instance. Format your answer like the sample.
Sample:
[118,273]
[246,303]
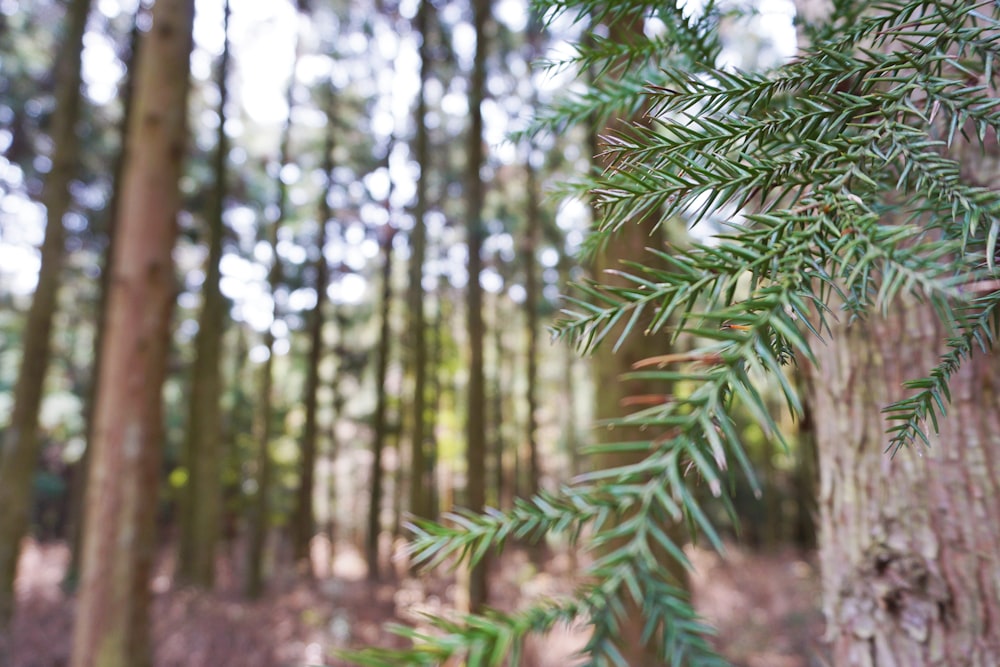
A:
[419,484]
[201,498]
[497,489]
[532,294]
[381,427]
[612,393]
[438,382]
[19,447]
[78,482]
[304,519]
[910,544]
[259,523]
[112,614]
[338,401]
[476,421]
[259,519]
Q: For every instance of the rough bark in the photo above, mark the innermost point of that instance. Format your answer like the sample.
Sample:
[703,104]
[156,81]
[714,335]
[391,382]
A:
[112,623]
[201,499]
[910,544]
[19,447]
[476,422]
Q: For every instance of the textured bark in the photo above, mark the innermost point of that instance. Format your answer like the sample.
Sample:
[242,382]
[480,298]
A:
[476,421]
[201,499]
[19,447]
[909,545]
[112,623]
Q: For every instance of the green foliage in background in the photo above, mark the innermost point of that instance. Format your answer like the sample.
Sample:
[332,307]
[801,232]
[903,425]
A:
[845,165]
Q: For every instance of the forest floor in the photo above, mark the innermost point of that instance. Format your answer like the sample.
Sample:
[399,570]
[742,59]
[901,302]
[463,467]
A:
[763,605]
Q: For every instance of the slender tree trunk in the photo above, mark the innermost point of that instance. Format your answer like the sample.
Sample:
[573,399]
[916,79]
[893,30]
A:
[497,488]
[476,422]
[569,419]
[805,480]
[19,447]
[419,484]
[259,520]
[533,219]
[436,353]
[259,524]
[201,499]
[338,400]
[381,427]
[910,544]
[112,615]
[304,519]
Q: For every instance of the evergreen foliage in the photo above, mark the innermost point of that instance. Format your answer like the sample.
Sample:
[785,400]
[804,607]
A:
[803,166]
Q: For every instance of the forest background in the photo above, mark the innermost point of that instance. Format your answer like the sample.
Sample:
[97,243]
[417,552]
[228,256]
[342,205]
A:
[334,206]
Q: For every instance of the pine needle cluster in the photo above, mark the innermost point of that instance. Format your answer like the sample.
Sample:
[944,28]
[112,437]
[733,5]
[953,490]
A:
[839,182]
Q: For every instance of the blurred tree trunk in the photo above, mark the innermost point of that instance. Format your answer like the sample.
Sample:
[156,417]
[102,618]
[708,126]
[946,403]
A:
[498,487]
[19,447]
[381,401]
[437,389]
[476,422]
[338,401]
[78,483]
[238,425]
[304,518]
[568,400]
[909,544]
[419,483]
[201,498]
[112,613]
[613,393]
[532,296]
[259,520]
[805,476]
